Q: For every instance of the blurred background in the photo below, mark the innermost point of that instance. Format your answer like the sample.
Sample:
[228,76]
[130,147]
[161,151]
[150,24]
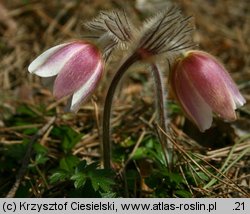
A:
[29,27]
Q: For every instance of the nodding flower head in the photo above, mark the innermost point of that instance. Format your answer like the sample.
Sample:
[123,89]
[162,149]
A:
[202,86]
[78,66]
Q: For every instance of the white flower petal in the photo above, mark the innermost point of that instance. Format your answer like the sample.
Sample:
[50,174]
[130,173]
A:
[53,60]
[239,100]
[41,60]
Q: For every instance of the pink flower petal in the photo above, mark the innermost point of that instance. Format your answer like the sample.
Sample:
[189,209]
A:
[194,105]
[87,89]
[80,68]
[206,76]
[232,87]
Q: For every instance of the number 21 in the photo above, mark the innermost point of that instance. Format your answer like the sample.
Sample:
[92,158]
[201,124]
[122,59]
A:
[239,206]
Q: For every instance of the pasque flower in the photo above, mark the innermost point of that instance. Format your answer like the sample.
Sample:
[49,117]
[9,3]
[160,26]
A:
[162,37]
[202,85]
[78,66]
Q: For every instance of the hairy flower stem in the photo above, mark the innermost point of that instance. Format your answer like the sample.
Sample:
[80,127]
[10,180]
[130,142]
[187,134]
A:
[162,114]
[131,59]
[160,103]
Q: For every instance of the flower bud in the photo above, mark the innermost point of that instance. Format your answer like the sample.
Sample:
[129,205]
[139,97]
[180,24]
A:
[78,66]
[202,86]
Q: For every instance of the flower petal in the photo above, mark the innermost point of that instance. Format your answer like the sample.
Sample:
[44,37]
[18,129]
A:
[87,88]
[232,87]
[206,75]
[193,104]
[53,60]
[82,66]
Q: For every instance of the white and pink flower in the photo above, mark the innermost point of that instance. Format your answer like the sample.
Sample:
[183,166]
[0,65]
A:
[202,86]
[78,66]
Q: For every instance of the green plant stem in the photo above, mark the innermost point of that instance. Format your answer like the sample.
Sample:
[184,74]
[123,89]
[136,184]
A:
[131,59]
[162,114]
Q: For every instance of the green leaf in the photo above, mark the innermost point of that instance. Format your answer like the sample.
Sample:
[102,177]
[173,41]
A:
[24,190]
[176,178]
[150,142]
[69,163]
[131,177]
[152,181]
[127,142]
[71,138]
[108,195]
[156,152]
[80,179]
[173,107]
[58,175]
[203,176]
[41,159]
[17,151]
[81,166]
[101,179]
[140,153]
[25,110]
[183,193]
[92,167]
[30,131]
[40,148]
[68,136]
